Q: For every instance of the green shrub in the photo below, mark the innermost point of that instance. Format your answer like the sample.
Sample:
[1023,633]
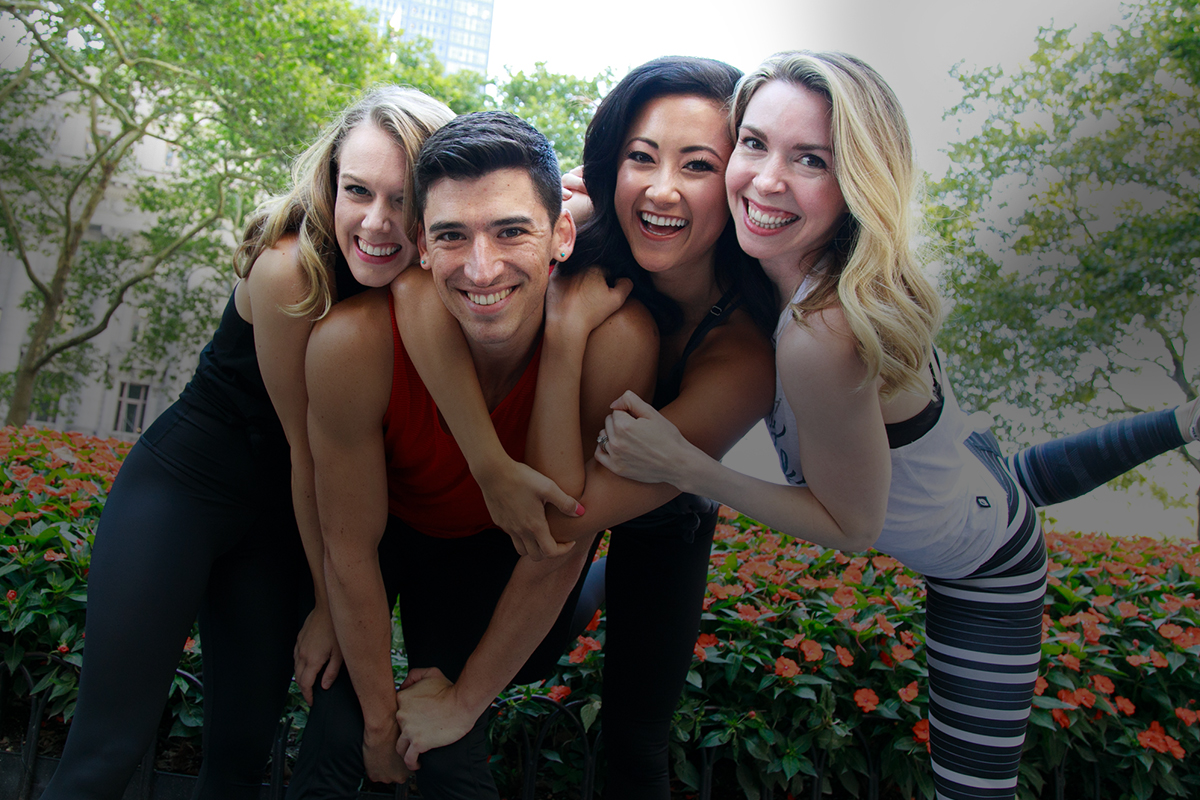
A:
[809,661]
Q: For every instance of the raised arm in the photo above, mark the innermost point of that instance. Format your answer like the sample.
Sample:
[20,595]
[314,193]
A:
[842,444]
[434,712]
[349,373]
[516,495]
[280,341]
[727,388]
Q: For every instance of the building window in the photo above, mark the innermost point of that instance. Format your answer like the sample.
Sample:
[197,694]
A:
[131,408]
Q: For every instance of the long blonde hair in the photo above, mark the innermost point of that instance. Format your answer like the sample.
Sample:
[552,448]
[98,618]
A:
[408,116]
[876,278]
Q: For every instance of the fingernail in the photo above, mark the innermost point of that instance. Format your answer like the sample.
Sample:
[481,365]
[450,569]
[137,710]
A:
[579,509]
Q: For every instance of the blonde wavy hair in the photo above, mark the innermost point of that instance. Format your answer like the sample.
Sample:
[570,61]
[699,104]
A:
[893,310]
[306,210]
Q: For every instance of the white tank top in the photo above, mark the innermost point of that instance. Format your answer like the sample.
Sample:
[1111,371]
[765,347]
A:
[946,514]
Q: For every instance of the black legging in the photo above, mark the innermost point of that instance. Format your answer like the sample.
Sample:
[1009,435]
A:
[198,520]
[447,591]
[655,583]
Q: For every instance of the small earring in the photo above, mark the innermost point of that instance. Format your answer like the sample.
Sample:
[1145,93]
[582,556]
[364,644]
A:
[422,262]
[562,255]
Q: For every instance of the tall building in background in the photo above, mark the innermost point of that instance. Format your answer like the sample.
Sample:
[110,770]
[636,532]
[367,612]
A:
[461,30]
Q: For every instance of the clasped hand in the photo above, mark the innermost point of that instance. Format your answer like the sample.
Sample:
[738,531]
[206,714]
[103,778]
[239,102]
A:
[430,714]
[642,444]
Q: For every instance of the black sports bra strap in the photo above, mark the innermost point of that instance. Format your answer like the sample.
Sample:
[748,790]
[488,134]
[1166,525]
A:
[715,316]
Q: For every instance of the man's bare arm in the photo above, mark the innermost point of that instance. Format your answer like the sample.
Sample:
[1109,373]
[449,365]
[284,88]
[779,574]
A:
[622,352]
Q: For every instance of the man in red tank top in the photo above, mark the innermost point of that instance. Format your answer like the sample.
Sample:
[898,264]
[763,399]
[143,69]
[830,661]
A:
[401,514]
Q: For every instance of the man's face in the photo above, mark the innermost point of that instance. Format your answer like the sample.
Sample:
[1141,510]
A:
[489,243]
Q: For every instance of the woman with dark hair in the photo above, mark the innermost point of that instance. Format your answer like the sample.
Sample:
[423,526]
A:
[823,189]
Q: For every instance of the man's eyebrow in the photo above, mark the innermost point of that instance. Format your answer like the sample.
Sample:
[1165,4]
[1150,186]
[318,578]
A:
[449,225]
[508,221]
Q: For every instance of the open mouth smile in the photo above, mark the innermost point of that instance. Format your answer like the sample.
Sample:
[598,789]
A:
[661,226]
[767,220]
[376,251]
[489,299]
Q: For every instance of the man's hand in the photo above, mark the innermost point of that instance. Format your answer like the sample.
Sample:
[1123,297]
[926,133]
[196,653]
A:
[316,647]
[383,764]
[430,714]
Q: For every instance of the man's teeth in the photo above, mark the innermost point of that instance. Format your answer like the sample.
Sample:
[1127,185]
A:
[764,220]
[372,250]
[666,222]
[489,299]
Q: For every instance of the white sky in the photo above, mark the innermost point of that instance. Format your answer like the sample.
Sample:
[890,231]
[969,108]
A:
[912,44]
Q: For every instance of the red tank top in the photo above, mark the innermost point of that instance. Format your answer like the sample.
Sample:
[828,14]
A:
[430,486]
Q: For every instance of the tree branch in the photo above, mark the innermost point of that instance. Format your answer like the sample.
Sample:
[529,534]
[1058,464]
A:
[11,222]
[118,295]
[19,78]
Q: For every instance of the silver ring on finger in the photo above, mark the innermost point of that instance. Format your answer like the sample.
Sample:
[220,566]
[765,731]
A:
[602,440]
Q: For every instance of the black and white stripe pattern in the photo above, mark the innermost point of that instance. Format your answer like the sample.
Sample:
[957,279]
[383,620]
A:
[983,642]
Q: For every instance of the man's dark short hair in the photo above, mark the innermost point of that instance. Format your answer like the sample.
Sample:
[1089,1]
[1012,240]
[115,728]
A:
[474,145]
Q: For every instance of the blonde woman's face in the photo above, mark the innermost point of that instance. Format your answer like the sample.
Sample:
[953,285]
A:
[368,213]
[670,182]
[780,184]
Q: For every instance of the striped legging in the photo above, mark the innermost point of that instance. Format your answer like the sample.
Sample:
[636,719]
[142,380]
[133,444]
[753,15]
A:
[984,631]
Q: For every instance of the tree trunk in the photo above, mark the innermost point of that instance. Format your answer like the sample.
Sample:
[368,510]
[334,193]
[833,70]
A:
[27,370]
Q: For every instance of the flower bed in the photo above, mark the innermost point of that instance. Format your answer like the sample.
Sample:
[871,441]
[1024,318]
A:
[809,661]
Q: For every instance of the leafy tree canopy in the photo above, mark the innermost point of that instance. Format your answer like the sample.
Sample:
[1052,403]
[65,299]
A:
[1071,223]
[176,118]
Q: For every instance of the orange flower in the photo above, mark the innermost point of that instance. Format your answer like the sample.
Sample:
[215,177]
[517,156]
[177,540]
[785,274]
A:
[189,646]
[908,638]
[1102,684]
[1039,688]
[1103,601]
[1068,697]
[866,699]
[748,611]
[1127,609]
[843,656]
[559,693]
[1170,630]
[812,651]
[908,693]
[844,614]
[1187,716]
[921,733]
[594,624]
[1155,738]
[785,667]
[586,645]
[707,640]
[901,653]
[843,597]
[1124,706]
[1085,698]
[699,653]
[884,625]
[1137,661]
[50,555]
[1158,659]
[1061,717]
[722,592]
[21,473]
[1069,661]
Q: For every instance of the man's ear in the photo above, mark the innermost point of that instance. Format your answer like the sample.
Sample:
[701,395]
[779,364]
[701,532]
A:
[422,248]
[564,236]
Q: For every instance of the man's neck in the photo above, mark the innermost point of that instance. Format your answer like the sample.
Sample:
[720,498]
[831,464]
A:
[500,366]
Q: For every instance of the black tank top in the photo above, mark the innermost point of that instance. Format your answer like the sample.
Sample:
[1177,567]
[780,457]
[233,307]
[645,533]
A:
[685,512]
[227,383]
